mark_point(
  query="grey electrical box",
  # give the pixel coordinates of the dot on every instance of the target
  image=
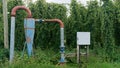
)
(83, 38)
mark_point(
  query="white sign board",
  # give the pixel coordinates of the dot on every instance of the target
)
(83, 38)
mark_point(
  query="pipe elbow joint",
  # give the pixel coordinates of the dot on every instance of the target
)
(13, 13)
(55, 20)
(60, 22)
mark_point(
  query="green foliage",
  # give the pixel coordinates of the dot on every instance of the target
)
(1, 25)
(117, 22)
(4, 54)
(19, 27)
(94, 23)
(47, 34)
(75, 23)
(104, 65)
(108, 29)
(41, 59)
(102, 21)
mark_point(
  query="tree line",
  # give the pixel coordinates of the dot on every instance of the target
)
(102, 19)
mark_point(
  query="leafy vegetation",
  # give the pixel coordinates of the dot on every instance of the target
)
(45, 59)
(102, 19)
(1, 25)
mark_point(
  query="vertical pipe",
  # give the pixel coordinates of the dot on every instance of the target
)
(62, 37)
(62, 47)
(12, 35)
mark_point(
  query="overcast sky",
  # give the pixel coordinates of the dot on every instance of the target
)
(84, 2)
(66, 1)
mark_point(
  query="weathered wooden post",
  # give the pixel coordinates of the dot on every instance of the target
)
(5, 17)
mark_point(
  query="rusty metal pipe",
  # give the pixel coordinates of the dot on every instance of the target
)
(13, 13)
(12, 33)
(55, 20)
(62, 47)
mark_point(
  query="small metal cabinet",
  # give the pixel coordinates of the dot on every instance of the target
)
(83, 39)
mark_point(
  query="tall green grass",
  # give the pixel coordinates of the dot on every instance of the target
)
(50, 59)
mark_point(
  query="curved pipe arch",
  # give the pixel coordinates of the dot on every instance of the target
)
(13, 13)
(12, 31)
(62, 47)
(55, 20)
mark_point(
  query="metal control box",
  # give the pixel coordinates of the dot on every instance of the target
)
(83, 38)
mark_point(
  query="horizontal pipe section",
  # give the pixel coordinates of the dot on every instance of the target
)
(55, 20)
(13, 13)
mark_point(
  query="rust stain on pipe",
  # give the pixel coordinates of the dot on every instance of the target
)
(55, 20)
(28, 39)
(13, 13)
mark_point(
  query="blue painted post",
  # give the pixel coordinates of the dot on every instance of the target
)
(29, 25)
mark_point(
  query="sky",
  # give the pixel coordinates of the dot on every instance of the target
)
(66, 1)
(84, 2)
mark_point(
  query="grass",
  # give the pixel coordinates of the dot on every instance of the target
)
(50, 59)
(104, 65)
